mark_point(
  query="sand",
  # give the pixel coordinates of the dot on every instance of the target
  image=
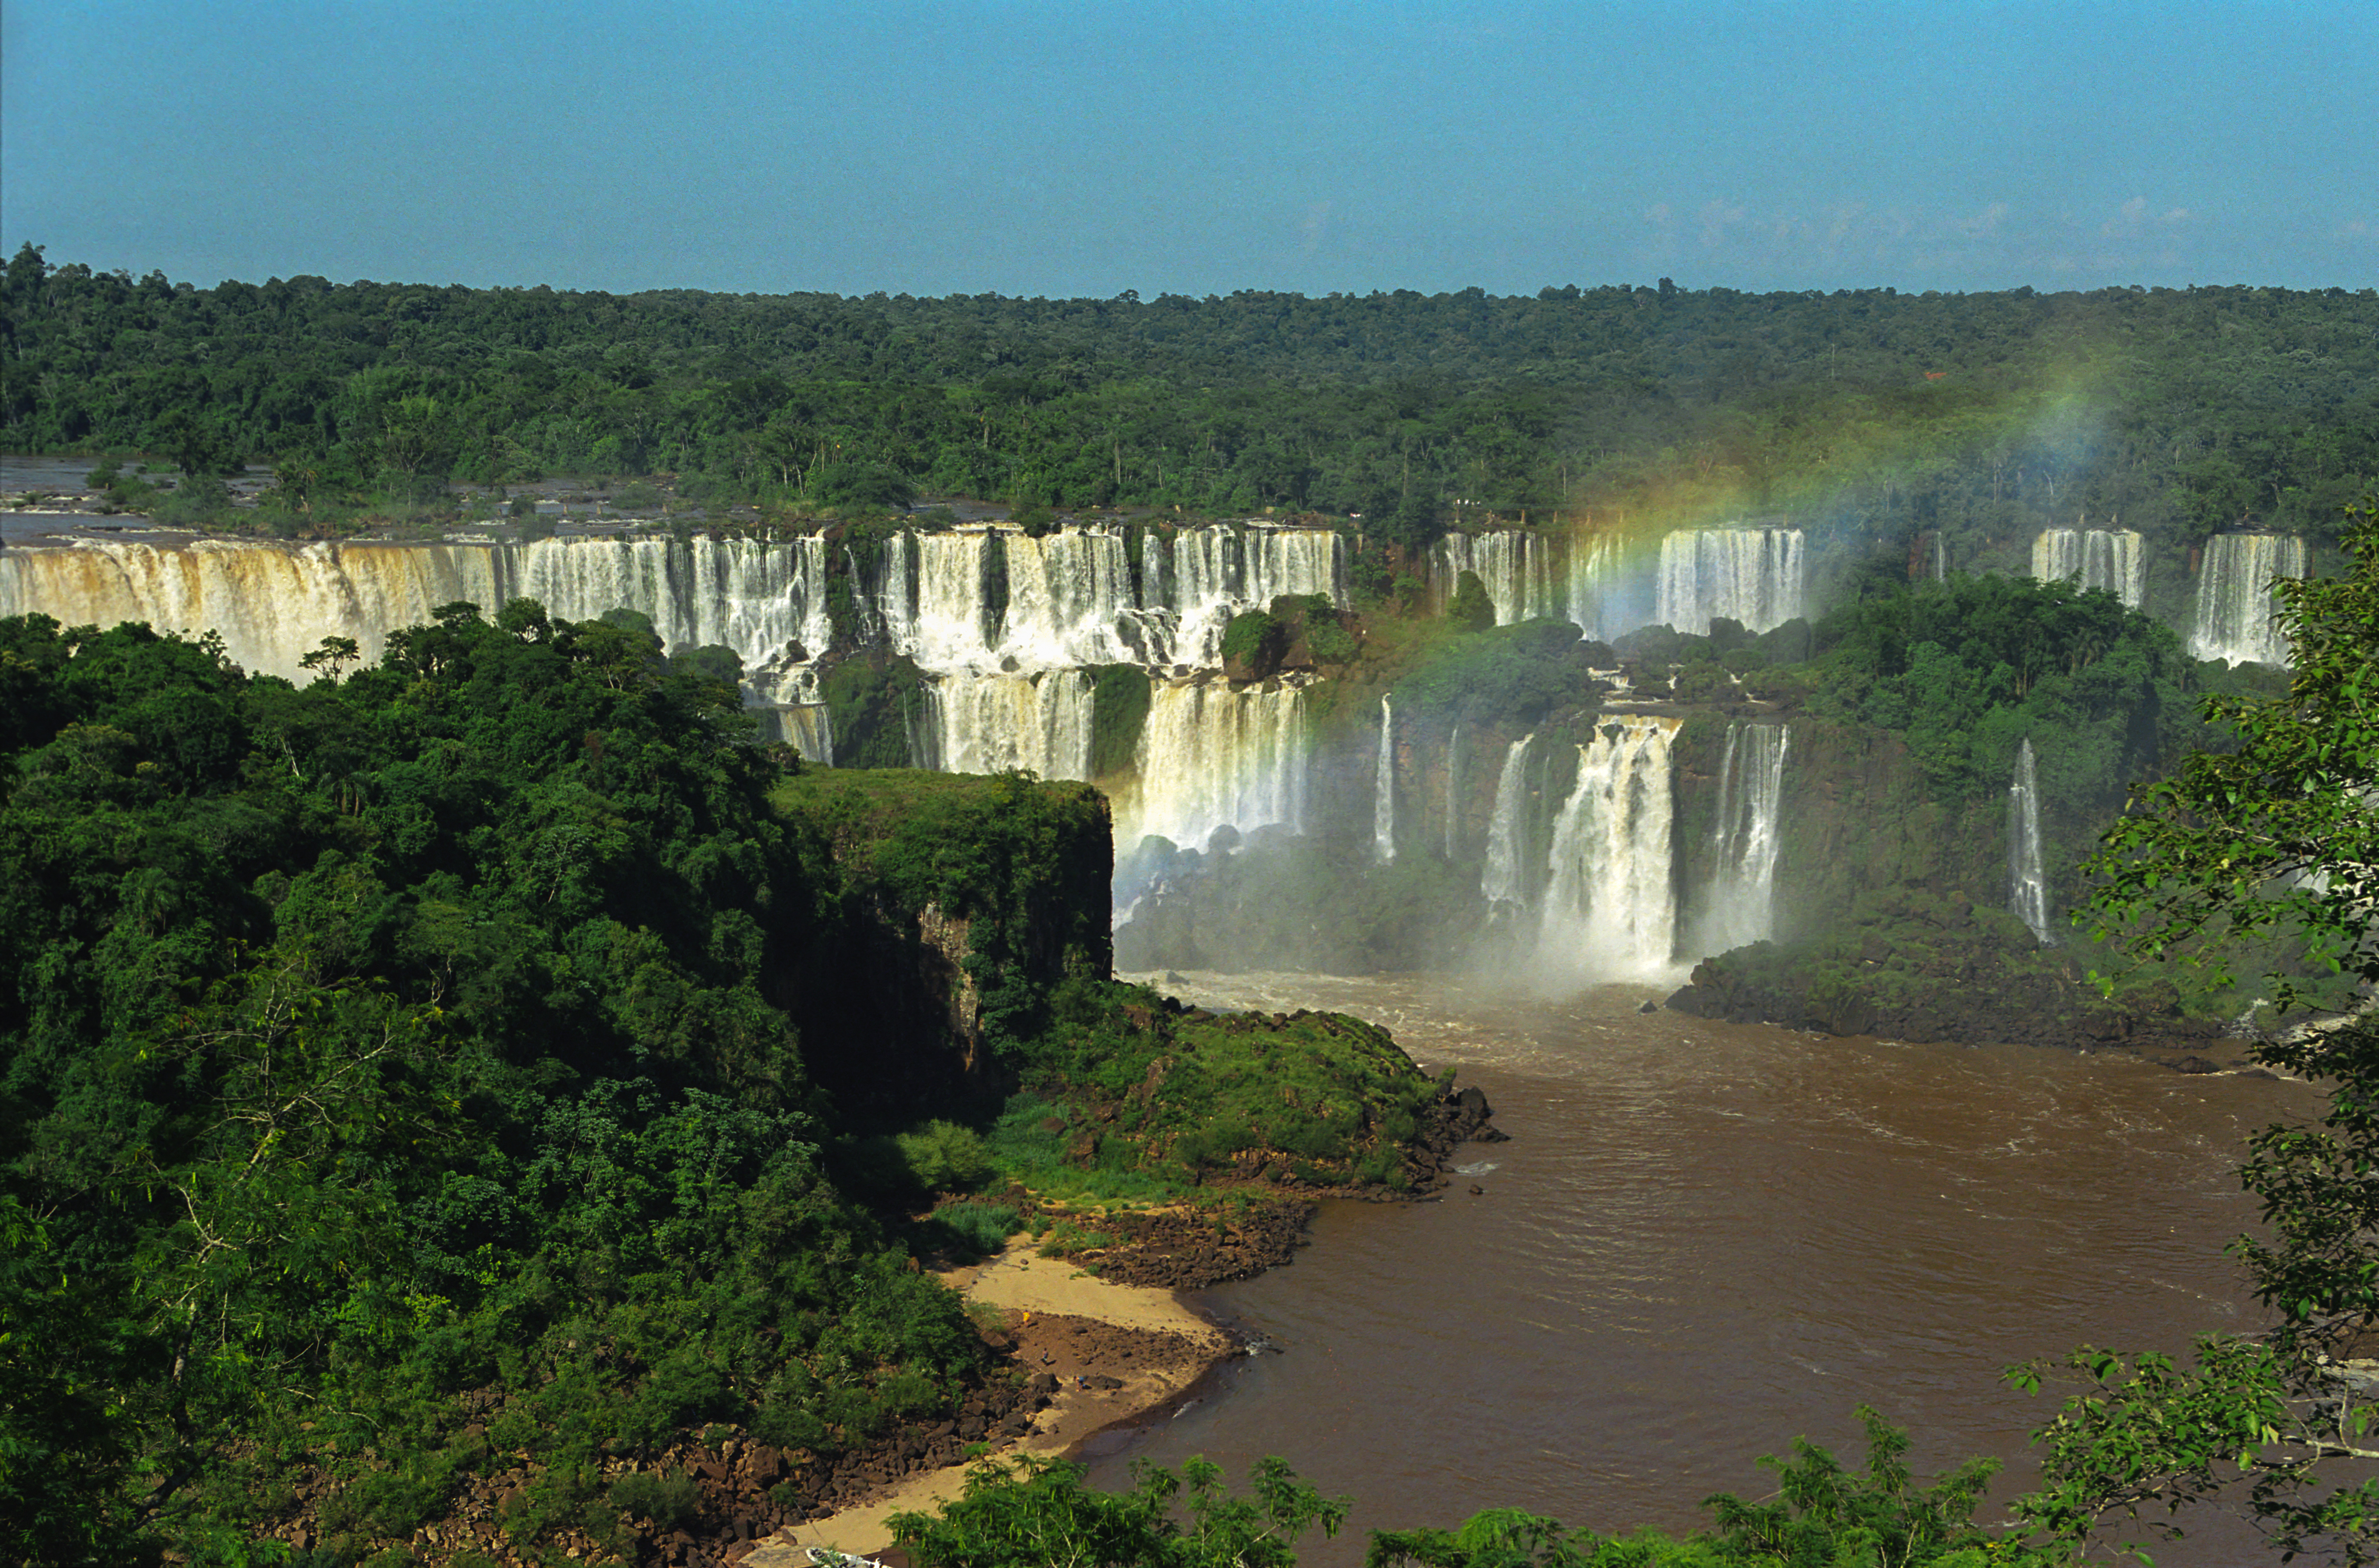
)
(1065, 1323)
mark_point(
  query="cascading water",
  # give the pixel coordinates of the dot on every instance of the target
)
(1453, 793)
(273, 606)
(2027, 888)
(1751, 575)
(1218, 571)
(2112, 559)
(1383, 788)
(1739, 905)
(1212, 754)
(1499, 883)
(1006, 690)
(989, 723)
(1518, 569)
(1611, 903)
(2234, 596)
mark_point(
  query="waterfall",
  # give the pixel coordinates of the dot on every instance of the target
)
(1515, 567)
(989, 723)
(1209, 755)
(2027, 888)
(1602, 600)
(1218, 571)
(1752, 575)
(1383, 788)
(2112, 559)
(1610, 905)
(1454, 792)
(808, 727)
(2234, 596)
(1499, 882)
(1740, 907)
(273, 605)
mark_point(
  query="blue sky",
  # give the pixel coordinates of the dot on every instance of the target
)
(1030, 149)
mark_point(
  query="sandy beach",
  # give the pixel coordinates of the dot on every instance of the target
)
(1070, 1324)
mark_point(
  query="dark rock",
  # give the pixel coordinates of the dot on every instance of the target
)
(1476, 1191)
(1649, 1008)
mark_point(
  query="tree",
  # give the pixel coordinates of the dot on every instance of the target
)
(2278, 837)
(1036, 1512)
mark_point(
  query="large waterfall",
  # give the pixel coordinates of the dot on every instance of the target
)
(2027, 887)
(1501, 883)
(2234, 596)
(1739, 904)
(273, 605)
(1384, 786)
(1751, 575)
(2112, 559)
(1610, 905)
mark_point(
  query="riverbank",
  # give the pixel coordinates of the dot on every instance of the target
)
(1104, 1354)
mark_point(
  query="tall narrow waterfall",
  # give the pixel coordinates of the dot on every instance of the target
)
(1384, 786)
(1740, 903)
(1453, 793)
(1599, 600)
(2234, 596)
(1610, 905)
(2112, 559)
(2027, 888)
(1501, 884)
(1752, 575)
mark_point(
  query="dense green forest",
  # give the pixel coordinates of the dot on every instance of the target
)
(494, 1053)
(2181, 411)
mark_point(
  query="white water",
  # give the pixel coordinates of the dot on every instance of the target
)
(1740, 904)
(1499, 882)
(2027, 888)
(1383, 788)
(2234, 596)
(1216, 572)
(1519, 570)
(1209, 755)
(1611, 903)
(1600, 601)
(989, 723)
(1751, 575)
(1454, 792)
(273, 605)
(2112, 559)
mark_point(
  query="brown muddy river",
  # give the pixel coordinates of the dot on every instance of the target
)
(1706, 1240)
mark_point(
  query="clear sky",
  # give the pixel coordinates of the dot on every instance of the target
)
(1084, 150)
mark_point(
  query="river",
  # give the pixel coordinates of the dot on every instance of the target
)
(1704, 1241)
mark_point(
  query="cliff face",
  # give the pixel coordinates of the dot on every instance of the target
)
(957, 904)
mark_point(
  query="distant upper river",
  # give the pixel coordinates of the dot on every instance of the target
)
(1704, 1241)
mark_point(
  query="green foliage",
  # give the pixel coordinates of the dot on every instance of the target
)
(1120, 695)
(2272, 834)
(1967, 667)
(1514, 677)
(1471, 609)
(875, 706)
(1192, 1096)
(1382, 404)
(405, 1035)
(1035, 1512)
(1252, 644)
